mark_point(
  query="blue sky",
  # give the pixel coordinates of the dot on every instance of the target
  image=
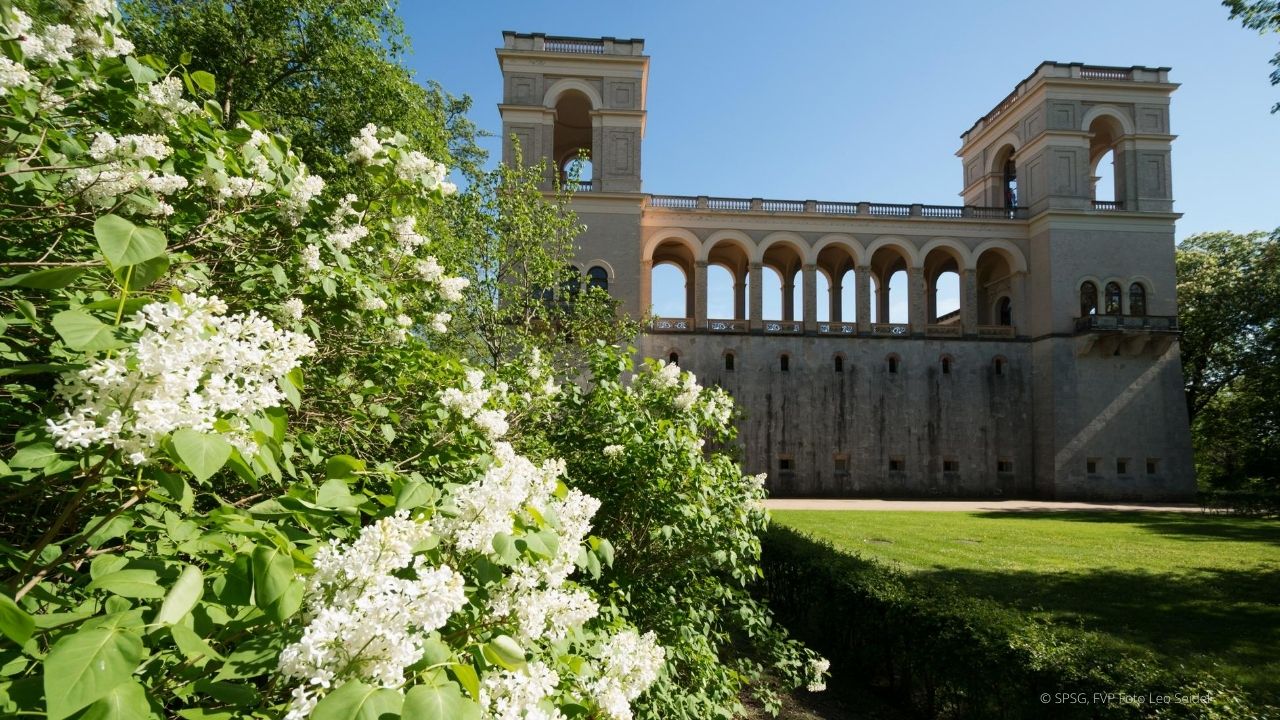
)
(858, 101)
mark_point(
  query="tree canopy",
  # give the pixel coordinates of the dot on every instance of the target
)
(1263, 16)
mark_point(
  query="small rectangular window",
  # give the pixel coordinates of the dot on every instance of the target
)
(841, 463)
(951, 466)
(1153, 465)
(1122, 466)
(784, 463)
(897, 465)
(1091, 466)
(1004, 465)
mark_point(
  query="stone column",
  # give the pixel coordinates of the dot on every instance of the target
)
(789, 296)
(862, 276)
(646, 289)
(810, 298)
(915, 300)
(700, 296)
(837, 299)
(757, 296)
(739, 297)
(969, 301)
(1020, 315)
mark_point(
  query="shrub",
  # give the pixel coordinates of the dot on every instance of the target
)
(948, 655)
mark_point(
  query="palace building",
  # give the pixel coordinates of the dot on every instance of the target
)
(1057, 377)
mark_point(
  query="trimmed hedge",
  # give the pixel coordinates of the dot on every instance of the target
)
(948, 655)
(1253, 503)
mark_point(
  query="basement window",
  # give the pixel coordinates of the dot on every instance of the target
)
(1004, 466)
(841, 462)
(785, 463)
(1153, 465)
(1122, 466)
(1091, 466)
(897, 464)
(951, 466)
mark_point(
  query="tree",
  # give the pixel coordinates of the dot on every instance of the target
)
(1263, 16)
(318, 71)
(1229, 312)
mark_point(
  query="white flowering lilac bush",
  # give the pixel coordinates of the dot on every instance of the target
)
(189, 530)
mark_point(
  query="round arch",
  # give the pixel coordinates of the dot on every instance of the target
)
(601, 263)
(784, 238)
(908, 250)
(679, 235)
(963, 256)
(1008, 142)
(841, 240)
(735, 237)
(1111, 111)
(563, 85)
(1017, 262)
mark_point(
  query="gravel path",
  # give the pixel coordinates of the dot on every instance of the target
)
(971, 505)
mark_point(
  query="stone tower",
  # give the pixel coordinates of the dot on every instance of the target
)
(1056, 373)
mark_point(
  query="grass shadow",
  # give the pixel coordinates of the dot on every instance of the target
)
(1188, 526)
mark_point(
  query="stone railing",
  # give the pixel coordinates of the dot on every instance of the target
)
(1107, 205)
(726, 326)
(891, 329)
(783, 327)
(662, 324)
(996, 331)
(837, 328)
(952, 330)
(1127, 323)
(823, 207)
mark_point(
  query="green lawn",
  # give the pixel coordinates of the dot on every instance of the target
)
(1199, 590)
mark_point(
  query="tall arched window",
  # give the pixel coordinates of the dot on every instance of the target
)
(728, 361)
(946, 364)
(674, 358)
(1088, 299)
(598, 277)
(839, 361)
(1010, 183)
(785, 363)
(1112, 304)
(892, 362)
(1137, 299)
(1005, 313)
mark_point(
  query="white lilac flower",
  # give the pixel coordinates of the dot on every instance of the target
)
(50, 46)
(370, 606)
(373, 303)
(492, 422)
(415, 167)
(451, 288)
(689, 391)
(404, 230)
(630, 663)
(404, 320)
(440, 322)
(97, 45)
(517, 694)
(487, 506)
(165, 184)
(344, 238)
(366, 147)
(818, 668)
(95, 8)
(311, 258)
(304, 188)
(165, 101)
(294, 308)
(429, 269)
(613, 451)
(129, 147)
(192, 367)
(12, 75)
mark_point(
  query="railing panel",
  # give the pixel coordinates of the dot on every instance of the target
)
(672, 324)
(890, 210)
(716, 203)
(837, 208)
(837, 328)
(783, 205)
(943, 330)
(727, 326)
(1106, 205)
(1097, 72)
(941, 211)
(783, 327)
(891, 329)
(1127, 323)
(584, 47)
(997, 331)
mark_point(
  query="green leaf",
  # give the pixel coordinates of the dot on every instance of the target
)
(82, 331)
(341, 467)
(183, 596)
(439, 702)
(504, 650)
(357, 701)
(191, 645)
(87, 665)
(274, 588)
(414, 493)
(204, 81)
(139, 276)
(467, 677)
(135, 583)
(203, 453)
(15, 623)
(252, 119)
(50, 279)
(123, 243)
(34, 456)
(126, 701)
(334, 494)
